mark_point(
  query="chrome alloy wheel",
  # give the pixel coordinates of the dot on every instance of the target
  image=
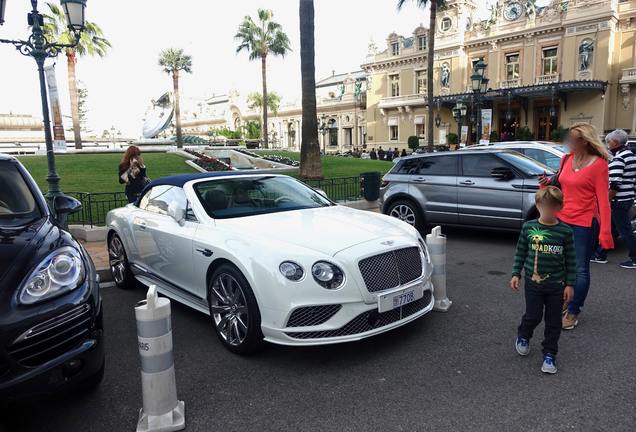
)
(229, 309)
(117, 260)
(403, 213)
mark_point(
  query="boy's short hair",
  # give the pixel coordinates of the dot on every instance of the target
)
(550, 195)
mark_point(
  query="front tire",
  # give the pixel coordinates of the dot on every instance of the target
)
(118, 263)
(407, 212)
(234, 311)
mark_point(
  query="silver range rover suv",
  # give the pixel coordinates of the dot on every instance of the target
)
(491, 189)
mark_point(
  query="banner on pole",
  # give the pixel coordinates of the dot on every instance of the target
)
(59, 141)
(463, 137)
(486, 125)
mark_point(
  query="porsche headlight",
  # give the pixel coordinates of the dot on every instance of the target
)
(61, 271)
(292, 271)
(327, 275)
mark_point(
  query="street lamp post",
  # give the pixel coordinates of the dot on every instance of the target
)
(459, 112)
(323, 129)
(38, 47)
(479, 84)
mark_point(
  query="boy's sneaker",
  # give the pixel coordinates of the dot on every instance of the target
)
(631, 264)
(569, 321)
(523, 346)
(599, 259)
(549, 364)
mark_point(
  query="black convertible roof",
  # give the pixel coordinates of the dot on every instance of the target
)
(181, 179)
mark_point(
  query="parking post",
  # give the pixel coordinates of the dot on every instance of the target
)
(436, 242)
(162, 411)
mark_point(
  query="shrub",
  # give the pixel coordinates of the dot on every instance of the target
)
(494, 136)
(559, 134)
(413, 142)
(452, 138)
(524, 134)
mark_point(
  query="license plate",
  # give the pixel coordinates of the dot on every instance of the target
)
(398, 299)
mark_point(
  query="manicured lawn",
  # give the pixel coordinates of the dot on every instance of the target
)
(98, 172)
(335, 166)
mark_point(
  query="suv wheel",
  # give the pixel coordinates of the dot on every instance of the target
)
(407, 212)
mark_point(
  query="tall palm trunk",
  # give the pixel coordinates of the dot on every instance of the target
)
(72, 90)
(429, 73)
(310, 163)
(264, 77)
(177, 108)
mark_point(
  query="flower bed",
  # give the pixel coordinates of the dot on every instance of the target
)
(209, 163)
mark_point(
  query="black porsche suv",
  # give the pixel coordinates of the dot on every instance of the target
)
(50, 305)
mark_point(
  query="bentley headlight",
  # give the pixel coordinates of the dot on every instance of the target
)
(327, 275)
(426, 257)
(61, 271)
(291, 270)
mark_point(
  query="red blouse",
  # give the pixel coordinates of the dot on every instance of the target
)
(586, 196)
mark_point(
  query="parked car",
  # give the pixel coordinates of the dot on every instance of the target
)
(632, 145)
(269, 258)
(545, 152)
(50, 304)
(486, 188)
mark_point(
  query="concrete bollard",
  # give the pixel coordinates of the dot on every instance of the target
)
(436, 242)
(162, 411)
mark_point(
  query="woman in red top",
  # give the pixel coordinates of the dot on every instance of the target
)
(584, 180)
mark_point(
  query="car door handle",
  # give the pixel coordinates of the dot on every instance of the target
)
(467, 182)
(419, 179)
(205, 252)
(141, 225)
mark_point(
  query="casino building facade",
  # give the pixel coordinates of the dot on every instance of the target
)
(548, 67)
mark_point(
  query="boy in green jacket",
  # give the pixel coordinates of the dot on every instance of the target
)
(545, 254)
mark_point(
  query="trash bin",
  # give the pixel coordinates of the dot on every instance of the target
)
(370, 185)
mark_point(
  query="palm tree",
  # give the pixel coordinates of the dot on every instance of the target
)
(537, 235)
(310, 162)
(260, 40)
(174, 60)
(92, 43)
(255, 101)
(435, 4)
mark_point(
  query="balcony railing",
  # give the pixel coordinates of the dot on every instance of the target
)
(509, 83)
(401, 101)
(548, 79)
(629, 76)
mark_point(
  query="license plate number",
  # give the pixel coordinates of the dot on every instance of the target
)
(403, 298)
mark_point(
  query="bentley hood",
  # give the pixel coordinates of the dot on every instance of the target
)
(327, 229)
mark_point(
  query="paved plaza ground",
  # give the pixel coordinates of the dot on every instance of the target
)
(445, 372)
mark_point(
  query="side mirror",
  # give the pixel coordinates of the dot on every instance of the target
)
(176, 212)
(502, 173)
(65, 205)
(322, 192)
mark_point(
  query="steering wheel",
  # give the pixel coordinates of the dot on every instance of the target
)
(282, 199)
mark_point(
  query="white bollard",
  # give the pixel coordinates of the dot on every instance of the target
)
(162, 411)
(436, 242)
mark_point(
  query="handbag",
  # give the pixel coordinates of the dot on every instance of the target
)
(554, 181)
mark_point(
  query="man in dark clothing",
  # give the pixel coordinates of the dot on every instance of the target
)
(380, 153)
(373, 154)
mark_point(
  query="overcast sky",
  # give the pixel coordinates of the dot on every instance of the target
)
(121, 85)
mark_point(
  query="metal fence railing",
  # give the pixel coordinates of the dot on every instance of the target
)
(95, 206)
(339, 188)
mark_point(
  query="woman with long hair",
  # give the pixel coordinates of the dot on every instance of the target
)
(132, 173)
(583, 178)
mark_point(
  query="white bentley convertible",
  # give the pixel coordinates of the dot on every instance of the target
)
(268, 257)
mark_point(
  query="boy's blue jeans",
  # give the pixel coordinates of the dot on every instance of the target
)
(584, 245)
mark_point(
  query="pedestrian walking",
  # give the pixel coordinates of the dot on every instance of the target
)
(584, 180)
(622, 181)
(132, 173)
(380, 153)
(545, 256)
(373, 154)
(389, 154)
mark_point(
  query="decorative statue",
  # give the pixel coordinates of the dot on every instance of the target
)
(585, 54)
(531, 8)
(358, 87)
(445, 77)
(341, 90)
